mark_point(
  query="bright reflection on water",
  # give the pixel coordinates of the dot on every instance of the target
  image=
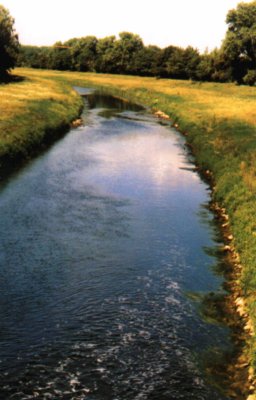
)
(102, 238)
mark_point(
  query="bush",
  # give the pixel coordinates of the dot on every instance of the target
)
(250, 78)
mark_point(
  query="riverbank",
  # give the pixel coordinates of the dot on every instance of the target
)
(33, 113)
(219, 123)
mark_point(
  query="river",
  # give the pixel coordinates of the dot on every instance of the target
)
(106, 246)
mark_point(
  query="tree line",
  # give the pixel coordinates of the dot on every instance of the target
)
(127, 54)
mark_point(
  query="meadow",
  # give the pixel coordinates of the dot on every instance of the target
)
(219, 122)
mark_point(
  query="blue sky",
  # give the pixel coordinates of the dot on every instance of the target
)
(199, 23)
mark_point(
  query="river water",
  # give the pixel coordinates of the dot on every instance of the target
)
(103, 257)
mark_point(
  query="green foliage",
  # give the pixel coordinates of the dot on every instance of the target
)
(125, 55)
(59, 57)
(105, 55)
(175, 67)
(250, 78)
(240, 43)
(125, 52)
(36, 57)
(9, 44)
(205, 68)
(83, 53)
(191, 60)
(146, 62)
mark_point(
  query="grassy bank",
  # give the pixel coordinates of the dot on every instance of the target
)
(219, 123)
(33, 112)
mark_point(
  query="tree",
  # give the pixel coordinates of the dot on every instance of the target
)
(176, 66)
(35, 57)
(60, 57)
(105, 55)
(167, 54)
(222, 70)
(191, 60)
(125, 52)
(146, 62)
(83, 52)
(250, 78)
(239, 46)
(9, 43)
(205, 68)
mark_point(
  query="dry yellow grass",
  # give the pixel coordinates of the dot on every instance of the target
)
(221, 100)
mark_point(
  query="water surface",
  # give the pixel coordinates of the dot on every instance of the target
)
(102, 239)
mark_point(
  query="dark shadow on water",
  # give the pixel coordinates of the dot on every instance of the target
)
(226, 369)
(109, 102)
(10, 164)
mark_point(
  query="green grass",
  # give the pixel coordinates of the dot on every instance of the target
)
(219, 121)
(33, 113)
